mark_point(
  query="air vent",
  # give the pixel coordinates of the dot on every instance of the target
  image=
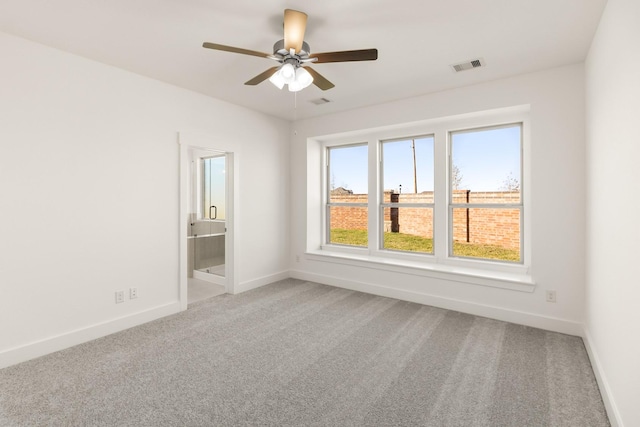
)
(463, 66)
(320, 101)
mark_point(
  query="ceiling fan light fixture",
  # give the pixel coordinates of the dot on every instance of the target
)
(277, 80)
(303, 80)
(287, 72)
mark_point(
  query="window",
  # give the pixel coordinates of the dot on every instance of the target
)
(407, 195)
(452, 195)
(485, 205)
(213, 187)
(347, 198)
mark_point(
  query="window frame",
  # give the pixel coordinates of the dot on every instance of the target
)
(382, 205)
(509, 275)
(327, 194)
(451, 206)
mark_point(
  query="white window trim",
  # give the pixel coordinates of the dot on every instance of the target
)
(515, 276)
(461, 274)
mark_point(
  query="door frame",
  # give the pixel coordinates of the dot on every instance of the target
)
(187, 142)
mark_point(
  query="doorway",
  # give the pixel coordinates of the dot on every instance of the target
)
(207, 226)
(206, 223)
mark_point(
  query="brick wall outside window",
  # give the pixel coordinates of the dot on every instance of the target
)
(488, 226)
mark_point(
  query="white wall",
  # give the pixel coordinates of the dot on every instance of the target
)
(89, 195)
(556, 99)
(613, 221)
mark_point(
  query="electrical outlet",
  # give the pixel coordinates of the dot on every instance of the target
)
(551, 296)
(119, 297)
(297, 258)
(133, 293)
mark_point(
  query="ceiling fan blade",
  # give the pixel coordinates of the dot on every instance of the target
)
(346, 56)
(235, 50)
(262, 76)
(319, 80)
(295, 24)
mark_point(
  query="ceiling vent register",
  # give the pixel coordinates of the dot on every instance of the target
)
(469, 65)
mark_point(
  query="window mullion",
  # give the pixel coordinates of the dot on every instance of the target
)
(374, 196)
(440, 211)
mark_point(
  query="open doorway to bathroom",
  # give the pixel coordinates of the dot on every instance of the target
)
(207, 245)
(206, 216)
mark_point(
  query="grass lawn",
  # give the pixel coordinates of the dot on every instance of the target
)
(411, 243)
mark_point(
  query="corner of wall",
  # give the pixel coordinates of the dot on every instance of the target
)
(603, 384)
(260, 281)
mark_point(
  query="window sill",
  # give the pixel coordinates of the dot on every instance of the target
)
(476, 276)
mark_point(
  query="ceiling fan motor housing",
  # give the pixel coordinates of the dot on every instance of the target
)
(278, 49)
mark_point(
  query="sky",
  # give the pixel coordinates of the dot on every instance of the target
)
(485, 158)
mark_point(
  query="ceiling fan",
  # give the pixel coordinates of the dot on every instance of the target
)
(294, 55)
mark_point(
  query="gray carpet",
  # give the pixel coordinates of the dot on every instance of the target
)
(295, 353)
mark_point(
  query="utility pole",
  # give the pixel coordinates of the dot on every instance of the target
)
(415, 176)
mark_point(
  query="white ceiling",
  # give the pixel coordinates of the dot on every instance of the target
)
(417, 40)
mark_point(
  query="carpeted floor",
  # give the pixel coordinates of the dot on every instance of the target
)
(295, 353)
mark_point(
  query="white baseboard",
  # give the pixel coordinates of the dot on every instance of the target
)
(32, 350)
(49, 345)
(36, 349)
(261, 281)
(603, 384)
(519, 317)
